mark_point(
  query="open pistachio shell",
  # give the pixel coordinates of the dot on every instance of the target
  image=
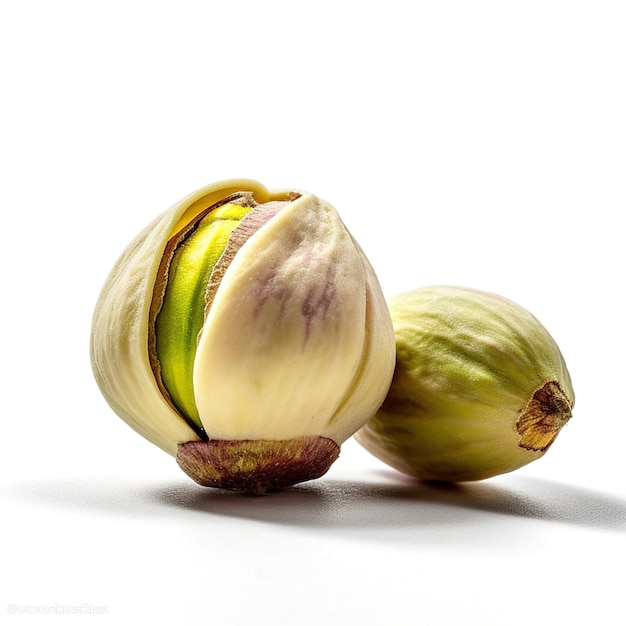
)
(244, 315)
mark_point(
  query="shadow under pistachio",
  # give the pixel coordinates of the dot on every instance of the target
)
(402, 501)
(381, 500)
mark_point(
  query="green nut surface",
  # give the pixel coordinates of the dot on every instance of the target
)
(480, 387)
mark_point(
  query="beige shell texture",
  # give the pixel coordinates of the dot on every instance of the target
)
(340, 387)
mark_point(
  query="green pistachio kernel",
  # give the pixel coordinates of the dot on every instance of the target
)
(480, 387)
(181, 317)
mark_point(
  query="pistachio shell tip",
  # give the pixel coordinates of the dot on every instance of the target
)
(256, 467)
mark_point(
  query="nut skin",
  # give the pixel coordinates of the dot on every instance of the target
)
(480, 387)
(256, 467)
(297, 342)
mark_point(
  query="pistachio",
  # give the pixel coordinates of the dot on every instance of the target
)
(480, 387)
(244, 332)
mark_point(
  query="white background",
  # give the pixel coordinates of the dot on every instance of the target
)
(474, 143)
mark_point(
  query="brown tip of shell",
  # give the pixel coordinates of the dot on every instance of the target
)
(256, 467)
(541, 420)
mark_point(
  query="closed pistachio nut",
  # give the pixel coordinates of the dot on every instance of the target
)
(480, 387)
(244, 332)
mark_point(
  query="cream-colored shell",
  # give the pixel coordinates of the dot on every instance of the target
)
(343, 379)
